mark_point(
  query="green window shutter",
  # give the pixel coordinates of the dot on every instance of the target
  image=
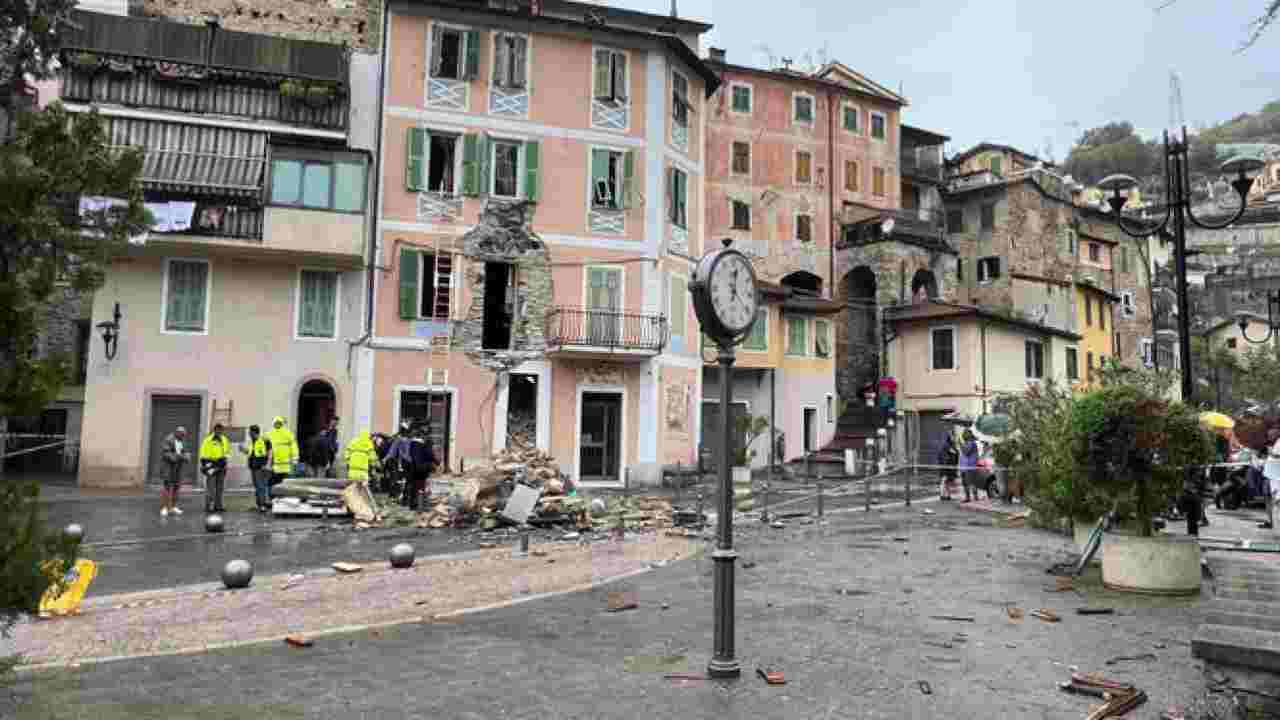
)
(628, 178)
(416, 151)
(671, 194)
(531, 160)
(501, 59)
(473, 55)
(196, 295)
(326, 303)
(484, 161)
(995, 164)
(602, 88)
(470, 164)
(599, 172)
(620, 76)
(307, 304)
(408, 284)
(186, 299)
(177, 301)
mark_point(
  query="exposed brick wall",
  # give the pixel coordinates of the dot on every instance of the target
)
(346, 22)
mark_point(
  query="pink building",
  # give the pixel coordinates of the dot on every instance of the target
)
(573, 327)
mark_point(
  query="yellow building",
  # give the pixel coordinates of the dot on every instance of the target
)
(1095, 323)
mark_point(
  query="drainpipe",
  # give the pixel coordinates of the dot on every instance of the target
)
(371, 261)
(983, 326)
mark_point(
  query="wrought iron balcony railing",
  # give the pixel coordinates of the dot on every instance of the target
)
(591, 330)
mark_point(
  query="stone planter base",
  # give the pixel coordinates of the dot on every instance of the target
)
(1160, 565)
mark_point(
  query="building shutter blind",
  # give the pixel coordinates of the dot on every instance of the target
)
(415, 160)
(600, 177)
(307, 304)
(437, 45)
(620, 77)
(519, 64)
(484, 159)
(531, 160)
(473, 55)
(326, 290)
(628, 179)
(470, 164)
(501, 59)
(602, 77)
(408, 284)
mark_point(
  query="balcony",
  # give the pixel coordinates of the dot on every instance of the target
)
(326, 238)
(604, 334)
(922, 163)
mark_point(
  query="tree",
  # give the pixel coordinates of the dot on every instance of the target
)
(56, 158)
(1260, 380)
(1259, 25)
(28, 556)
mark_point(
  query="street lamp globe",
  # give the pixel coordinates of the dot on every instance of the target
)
(1245, 167)
(1118, 185)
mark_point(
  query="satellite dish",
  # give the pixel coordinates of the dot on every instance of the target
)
(886, 227)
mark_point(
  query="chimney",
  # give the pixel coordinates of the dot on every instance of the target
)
(716, 54)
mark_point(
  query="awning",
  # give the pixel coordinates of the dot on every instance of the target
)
(194, 159)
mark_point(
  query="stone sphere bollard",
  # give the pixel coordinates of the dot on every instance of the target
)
(237, 574)
(74, 531)
(598, 506)
(213, 523)
(402, 556)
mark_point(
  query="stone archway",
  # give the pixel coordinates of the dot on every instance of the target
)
(803, 281)
(858, 333)
(926, 281)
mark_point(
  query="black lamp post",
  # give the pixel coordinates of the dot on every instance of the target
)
(1177, 180)
(111, 334)
(1273, 301)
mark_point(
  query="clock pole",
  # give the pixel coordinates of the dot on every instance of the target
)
(723, 664)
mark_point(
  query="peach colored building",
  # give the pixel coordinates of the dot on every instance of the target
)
(240, 303)
(588, 120)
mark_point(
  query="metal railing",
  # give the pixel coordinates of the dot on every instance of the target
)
(605, 329)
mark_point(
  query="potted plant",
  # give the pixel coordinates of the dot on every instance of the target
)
(1132, 444)
(750, 429)
(293, 90)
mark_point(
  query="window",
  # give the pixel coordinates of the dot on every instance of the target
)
(942, 349)
(877, 181)
(1073, 364)
(758, 339)
(1088, 310)
(425, 280)
(610, 76)
(455, 54)
(988, 216)
(741, 102)
(996, 164)
(1088, 367)
(802, 111)
(804, 228)
(1124, 259)
(509, 53)
(677, 197)
(611, 179)
(187, 296)
(318, 184)
(1095, 253)
(499, 306)
(851, 119)
(680, 99)
(1071, 243)
(1147, 348)
(804, 167)
(822, 338)
(679, 306)
(851, 175)
(879, 124)
(741, 158)
(442, 162)
(1034, 360)
(797, 336)
(317, 304)
(506, 169)
(1231, 343)
(741, 215)
(1127, 308)
(955, 221)
(988, 269)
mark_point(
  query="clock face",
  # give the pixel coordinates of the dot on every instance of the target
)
(733, 292)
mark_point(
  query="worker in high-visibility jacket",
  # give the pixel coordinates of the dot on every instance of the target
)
(284, 451)
(214, 452)
(361, 457)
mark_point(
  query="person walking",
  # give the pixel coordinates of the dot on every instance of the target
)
(969, 465)
(948, 458)
(259, 452)
(213, 465)
(422, 461)
(1192, 503)
(175, 455)
(284, 451)
(331, 448)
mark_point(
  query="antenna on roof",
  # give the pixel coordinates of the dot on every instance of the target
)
(786, 63)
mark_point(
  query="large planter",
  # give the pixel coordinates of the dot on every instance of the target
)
(1160, 565)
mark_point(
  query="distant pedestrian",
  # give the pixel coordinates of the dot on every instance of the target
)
(174, 452)
(969, 465)
(259, 452)
(214, 452)
(1192, 503)
(422, 462)
(948, 458)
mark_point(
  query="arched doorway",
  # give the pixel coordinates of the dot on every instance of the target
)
(926, 281)
(804, 282)
(858, 339)
(317, 406)
(860, 293)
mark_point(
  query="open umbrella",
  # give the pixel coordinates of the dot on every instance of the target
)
(1216, 421)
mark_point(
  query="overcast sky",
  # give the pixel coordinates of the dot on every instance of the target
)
(1024, 73)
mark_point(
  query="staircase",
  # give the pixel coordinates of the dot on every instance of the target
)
(856, 424)
(1241, 626)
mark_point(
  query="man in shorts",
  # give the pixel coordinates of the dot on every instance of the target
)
(175, 455)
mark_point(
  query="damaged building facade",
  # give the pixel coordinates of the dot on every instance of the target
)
(539, 215)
